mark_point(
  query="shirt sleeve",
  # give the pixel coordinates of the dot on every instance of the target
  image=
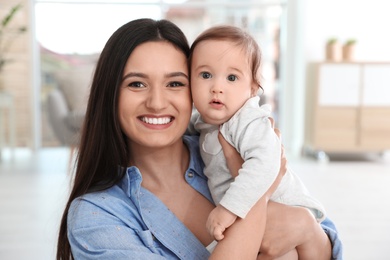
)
(251, 133)
(94, 233)
(337, 247)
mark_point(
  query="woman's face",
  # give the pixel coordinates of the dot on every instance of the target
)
(155, 101)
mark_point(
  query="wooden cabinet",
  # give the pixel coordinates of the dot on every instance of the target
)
(348, 107)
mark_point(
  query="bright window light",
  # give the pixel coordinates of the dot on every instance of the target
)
(84, 28)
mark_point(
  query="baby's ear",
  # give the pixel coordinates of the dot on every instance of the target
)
(255, 89)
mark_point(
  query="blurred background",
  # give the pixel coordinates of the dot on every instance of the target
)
(325, 71)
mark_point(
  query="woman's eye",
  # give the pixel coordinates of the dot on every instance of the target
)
(205, 75)
(176, 84)
(136, 84)
(232, 77)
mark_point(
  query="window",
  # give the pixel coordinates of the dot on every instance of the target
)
(71, 35)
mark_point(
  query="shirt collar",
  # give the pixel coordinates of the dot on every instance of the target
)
(196, 166)
(196, 163)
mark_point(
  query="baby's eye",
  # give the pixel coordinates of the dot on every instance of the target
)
(205, 75)
(136, 84)
(232, 78)
(176, 84)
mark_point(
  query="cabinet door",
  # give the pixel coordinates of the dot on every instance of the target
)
(335, 129)
(375, 111)
(375, 128)
(339, 85)
(376, 82)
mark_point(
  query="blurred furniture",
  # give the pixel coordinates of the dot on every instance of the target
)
(66, 124)
(7, 105)
(348, 108)
(66, 104)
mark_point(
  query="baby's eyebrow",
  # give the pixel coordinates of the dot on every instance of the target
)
(236, 69)
(200, 67)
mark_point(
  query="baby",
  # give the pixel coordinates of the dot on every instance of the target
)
(225, 64)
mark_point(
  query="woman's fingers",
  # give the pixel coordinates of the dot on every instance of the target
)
(233, 158)
(272, 121)
(277, 131)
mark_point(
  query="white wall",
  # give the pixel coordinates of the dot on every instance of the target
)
(364, 20)
(310, 23)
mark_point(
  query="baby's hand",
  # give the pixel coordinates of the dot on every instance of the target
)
(218, 221)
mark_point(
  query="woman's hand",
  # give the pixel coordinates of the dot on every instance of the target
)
(283, 163)
(233, 158)
(291, 227)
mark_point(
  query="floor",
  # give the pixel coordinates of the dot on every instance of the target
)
(355, 191)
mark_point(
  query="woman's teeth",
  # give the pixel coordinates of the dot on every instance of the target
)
(156, 121)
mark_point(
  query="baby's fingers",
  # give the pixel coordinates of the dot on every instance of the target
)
(218, 233)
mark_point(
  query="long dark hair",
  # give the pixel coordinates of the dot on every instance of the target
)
(103, 146)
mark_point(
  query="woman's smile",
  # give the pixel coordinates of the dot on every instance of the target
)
(156, 120)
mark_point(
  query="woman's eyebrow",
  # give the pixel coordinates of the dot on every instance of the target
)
(176, 74)
(145, 76)
(135, 74)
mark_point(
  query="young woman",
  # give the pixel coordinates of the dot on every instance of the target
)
(139, 190)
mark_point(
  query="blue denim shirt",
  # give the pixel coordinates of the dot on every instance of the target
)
(127, 221)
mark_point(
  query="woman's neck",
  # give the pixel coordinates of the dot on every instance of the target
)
(161, 167)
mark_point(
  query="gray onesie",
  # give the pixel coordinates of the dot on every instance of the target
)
(251, 133)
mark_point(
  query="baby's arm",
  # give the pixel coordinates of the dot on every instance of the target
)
(260, 148)
(242, 240)
(234, 160)
(220, 218)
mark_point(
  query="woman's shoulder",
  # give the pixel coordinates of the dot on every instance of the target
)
(108, 224)
(96, 208)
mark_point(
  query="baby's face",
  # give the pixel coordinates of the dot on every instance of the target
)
(221, 80)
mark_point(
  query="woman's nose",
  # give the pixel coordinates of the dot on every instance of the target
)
(156, 99)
